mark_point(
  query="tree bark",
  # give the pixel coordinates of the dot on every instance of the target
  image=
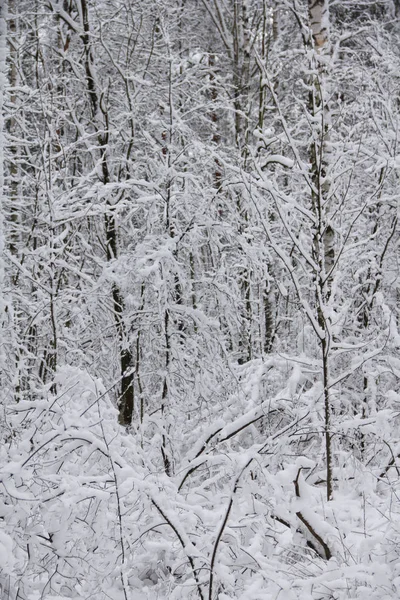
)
(323, 238)
(126, 396)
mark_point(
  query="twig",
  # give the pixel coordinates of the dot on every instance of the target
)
(221, 530)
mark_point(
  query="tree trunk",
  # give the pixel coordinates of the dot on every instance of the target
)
(126, 396)
(323, 239)
(3, 81)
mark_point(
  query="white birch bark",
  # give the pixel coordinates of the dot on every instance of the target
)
(319, 22)
(323, 242)
(3, 85)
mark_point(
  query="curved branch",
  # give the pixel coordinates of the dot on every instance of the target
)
(221, 530)
(184, 546)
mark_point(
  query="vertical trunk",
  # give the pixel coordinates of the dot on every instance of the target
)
(216, 137)
(266, 296)
(3, 80)
(323, 239)
(241, 71)
(13, 169)
(275, 20)
(241, 74)
(319, 22)
(126, 397)
(269, 319)
(13, 218)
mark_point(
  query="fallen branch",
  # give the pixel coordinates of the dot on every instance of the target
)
(327, 554)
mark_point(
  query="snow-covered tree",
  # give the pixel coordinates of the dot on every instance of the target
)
(200, 300)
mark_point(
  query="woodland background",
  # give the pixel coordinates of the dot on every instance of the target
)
(200, 300)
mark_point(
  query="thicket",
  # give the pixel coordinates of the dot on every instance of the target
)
(199, 345)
